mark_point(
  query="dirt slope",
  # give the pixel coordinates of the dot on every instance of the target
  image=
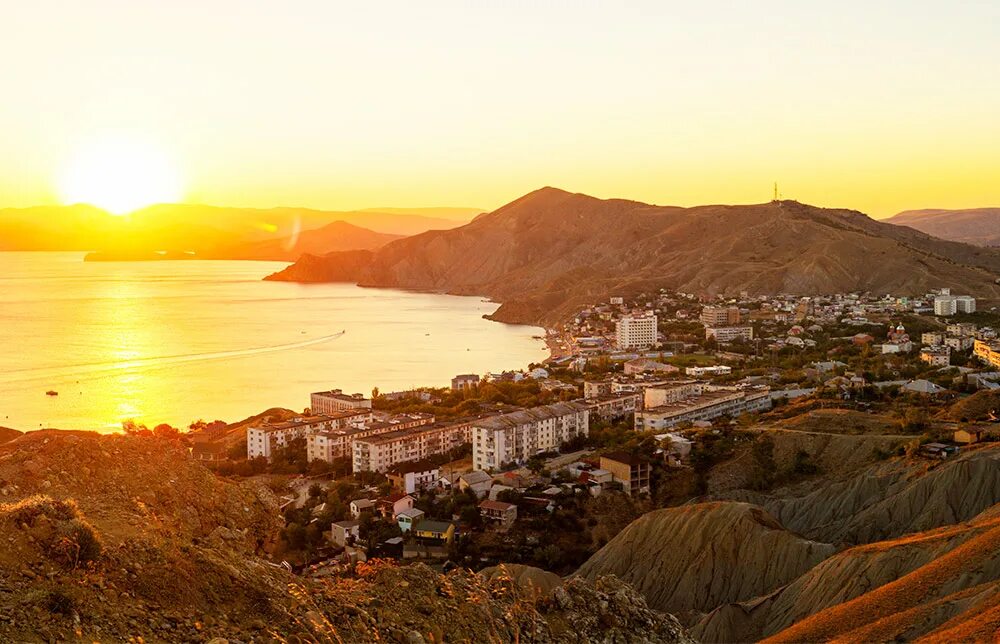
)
(952, 593)
(841, 578)
(693, 558)
(551, 251)
(887, 500)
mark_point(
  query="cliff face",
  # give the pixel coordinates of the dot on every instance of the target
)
(693, 558)
(552, 251)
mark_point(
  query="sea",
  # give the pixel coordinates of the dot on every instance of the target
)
(88, 345)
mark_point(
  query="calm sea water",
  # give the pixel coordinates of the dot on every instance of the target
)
(177, 341)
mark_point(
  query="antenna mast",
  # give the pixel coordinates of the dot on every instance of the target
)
(775, 190)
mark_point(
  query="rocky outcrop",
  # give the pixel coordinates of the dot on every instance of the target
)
(693, 558)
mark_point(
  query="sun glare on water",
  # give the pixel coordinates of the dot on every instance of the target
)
(120, 175)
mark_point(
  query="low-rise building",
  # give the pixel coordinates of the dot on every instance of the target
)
(343, 533)
(439, 531)
(988, 352)
(327, 402)
(393, 504)
(517, 436)
(478, 481)
(413, 476)
(360, 506)
(715, 370)
(406, 519)
(959, 343)
(724, 334)
(932, 339)
(338, 442)
(936, 356)
(711, 403)
(647, 365)
(631, 471)
(464, 381)
(499, 512)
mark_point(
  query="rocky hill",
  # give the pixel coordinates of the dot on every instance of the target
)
(127, 538)
(551, 251)
(8, 434)
(693, 558)
(978, 226)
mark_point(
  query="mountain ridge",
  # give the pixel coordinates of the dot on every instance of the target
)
(978, 226)
(551, 252)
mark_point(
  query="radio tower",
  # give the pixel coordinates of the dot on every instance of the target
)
(775, 191)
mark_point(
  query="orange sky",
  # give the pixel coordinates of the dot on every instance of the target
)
(875, 106)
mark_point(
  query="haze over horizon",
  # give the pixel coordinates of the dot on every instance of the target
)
(456, 105)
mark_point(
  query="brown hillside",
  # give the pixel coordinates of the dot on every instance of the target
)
(8, 434)
(977, 226)
(693, 558)
(552, 251)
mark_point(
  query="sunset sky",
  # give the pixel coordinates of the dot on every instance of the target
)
(875, 106)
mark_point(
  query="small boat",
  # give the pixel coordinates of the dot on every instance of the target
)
(51, 392)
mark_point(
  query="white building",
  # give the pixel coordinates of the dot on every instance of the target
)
(518, 436)
(264, 439)
(338, 442)
(379, 453)
(325, 402)
(708, 404)
(725, 334)
(635, 332)
(945, 305)
(717, 370)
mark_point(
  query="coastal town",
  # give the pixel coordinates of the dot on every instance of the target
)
(625, 416)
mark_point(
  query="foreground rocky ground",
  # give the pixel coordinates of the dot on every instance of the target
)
(125, 538)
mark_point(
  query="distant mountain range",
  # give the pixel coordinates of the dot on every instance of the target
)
(551, 252)
(215, 231)
(978, 226)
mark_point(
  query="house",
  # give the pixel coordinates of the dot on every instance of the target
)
(441, 531)
(412, 476)
(939, 450)
(497, 489)
(393, 504)
(344, 532)
(464, 381)
(499, 512)
(204, 451)
(969, 436)
(478, 481)
(408, 518)
(631, 471)
(361, 505)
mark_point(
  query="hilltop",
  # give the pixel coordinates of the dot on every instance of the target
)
(977, 226)
(552, 252)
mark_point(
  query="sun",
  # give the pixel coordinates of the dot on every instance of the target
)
(120, 175)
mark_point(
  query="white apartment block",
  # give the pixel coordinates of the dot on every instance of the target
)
(327, 445)
(325, 402)
(264, 439)
(713, 403)
(380, 453)
(635, 332)
(723, 334)
(945, 305)
(518, 436)
(716, 316)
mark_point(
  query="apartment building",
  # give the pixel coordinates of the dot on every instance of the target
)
(959, 344)
(615, 406)
(464, 381)
(932, 339)
(723, 334)
(936, 356)
(716, 316)
(635, 332)
(672, 392)
(382, 452)
(265, 438)
(711, 403)
(326, 402)
(945, 305)
(330, 444)
(518, 436)
(631, 471)
(987, 352)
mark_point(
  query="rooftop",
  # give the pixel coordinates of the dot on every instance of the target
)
(532, 415)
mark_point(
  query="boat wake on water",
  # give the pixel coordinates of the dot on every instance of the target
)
(99, 369)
